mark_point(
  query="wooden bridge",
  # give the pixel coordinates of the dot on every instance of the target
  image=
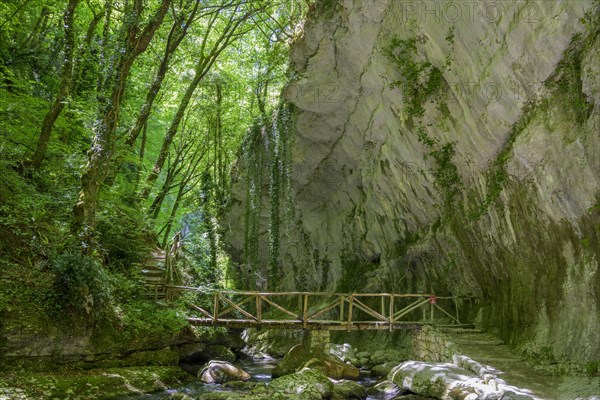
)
(319, 311)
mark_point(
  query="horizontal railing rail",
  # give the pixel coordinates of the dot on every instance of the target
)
(320, 310)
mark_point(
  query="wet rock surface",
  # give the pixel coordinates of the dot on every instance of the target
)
(222, 371)
(345, 389)
(312, 383)
(464, 379)
(298, 357)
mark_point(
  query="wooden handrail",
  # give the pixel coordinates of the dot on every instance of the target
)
(319, 294)
(248, 308)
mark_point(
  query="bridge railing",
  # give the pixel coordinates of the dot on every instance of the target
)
(315, 310)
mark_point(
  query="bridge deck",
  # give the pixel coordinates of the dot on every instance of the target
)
(330, 326)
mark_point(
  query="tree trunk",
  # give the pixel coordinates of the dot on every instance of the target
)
(178, 31)
(84, 57)
(171, 132)
(103, 145)
(154, 209)
(140, 164)
(227, 36)
(169, 225)
(65, 87)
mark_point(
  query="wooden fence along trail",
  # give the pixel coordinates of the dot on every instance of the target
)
(324, 311)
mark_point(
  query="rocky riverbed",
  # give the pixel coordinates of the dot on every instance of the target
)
(343, 372)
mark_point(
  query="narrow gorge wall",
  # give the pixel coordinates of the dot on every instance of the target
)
(432, 146)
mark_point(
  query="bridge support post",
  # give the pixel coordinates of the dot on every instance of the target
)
(316, 341)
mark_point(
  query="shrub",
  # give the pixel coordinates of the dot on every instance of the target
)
(143, 317)
(82, 287)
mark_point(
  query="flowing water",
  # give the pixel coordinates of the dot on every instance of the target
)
(260, 370)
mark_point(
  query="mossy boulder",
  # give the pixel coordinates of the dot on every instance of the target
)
(427, 379)
(213, 352)
(383, 369)
(363, 359)
(310, 383)
(446, 380)
(240, 385)
(345, 389)
(333, 368)
(251, 396)
(112, 383)
(299, 357)
(385, 356)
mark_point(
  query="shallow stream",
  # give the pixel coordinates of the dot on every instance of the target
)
(260, 370)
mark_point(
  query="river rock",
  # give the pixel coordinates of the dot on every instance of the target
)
(387, 388)
(213, 352)
(240, 385)
(364, 359)
(298, 358)
(310, 383)
(344, 352)
(333, 368)
(188, 350)
(345, 389)
(383, 369)
(222, 371)
(447, 380)
(384, 356)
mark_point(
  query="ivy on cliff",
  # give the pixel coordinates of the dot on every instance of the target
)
(421, 81)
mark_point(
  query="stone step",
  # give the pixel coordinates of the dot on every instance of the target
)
(154, 279)
(153, 272)
(153, 266)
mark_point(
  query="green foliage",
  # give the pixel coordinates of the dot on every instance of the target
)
(354, 272)
(48, 271)
(447, 178)
(450, 35)
(567, 79)
(592, 368)
(124, 232)
(143, 317)
(253, 155)
(23, 290)
(419, 79)
(82, 287)
(204, 262)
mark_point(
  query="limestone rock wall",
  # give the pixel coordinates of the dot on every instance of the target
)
(448, 148)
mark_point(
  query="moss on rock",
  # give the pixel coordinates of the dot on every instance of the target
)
(93, 384)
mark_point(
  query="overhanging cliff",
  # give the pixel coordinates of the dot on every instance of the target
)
(429, 147)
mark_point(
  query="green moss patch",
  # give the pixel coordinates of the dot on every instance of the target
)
(93, 384)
